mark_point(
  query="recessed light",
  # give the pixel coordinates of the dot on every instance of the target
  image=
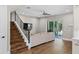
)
(28, 7)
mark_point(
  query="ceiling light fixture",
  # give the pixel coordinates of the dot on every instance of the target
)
(28, 7)
(44, 13)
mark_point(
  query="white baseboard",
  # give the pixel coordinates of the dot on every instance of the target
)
(67, 39)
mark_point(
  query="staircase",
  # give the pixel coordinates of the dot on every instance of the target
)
(17, 43)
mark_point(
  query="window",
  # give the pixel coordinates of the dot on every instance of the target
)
(50, 26)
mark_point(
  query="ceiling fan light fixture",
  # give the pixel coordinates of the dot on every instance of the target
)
(44, 13)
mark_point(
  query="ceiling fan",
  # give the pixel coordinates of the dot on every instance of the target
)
(45, 13)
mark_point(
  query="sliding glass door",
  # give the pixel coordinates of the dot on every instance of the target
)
(55, 27)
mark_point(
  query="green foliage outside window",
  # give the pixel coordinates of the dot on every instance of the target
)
(50, 26)
(54, 26)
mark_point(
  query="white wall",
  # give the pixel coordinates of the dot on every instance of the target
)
(4, 47)
(43, 25)
(75, 48)
(76, 21)
(68, 26)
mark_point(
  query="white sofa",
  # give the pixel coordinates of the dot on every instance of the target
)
(40, 38)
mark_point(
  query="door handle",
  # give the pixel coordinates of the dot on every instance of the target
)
(3, 36)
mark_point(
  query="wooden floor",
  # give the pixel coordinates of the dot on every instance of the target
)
(53, 47)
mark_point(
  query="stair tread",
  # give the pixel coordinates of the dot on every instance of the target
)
(19, 51)
(18, 48)
(18, 43)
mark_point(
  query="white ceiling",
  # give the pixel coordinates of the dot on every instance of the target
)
(36, 10)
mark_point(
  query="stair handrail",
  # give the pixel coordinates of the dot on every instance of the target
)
(21, 26)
